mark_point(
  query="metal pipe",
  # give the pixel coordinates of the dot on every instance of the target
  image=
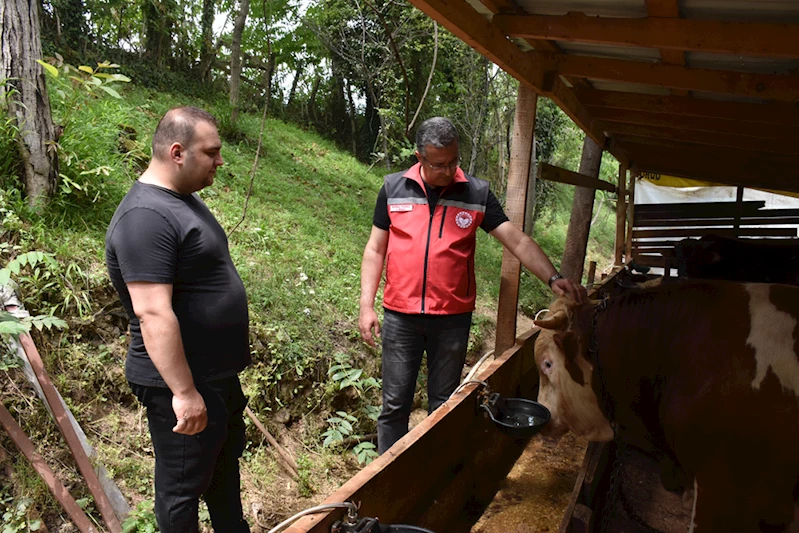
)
(477, 381)
(351, 507)
(476, 366)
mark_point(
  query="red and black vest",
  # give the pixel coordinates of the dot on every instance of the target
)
(430, 258)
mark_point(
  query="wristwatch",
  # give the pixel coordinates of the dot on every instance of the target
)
(552, 280)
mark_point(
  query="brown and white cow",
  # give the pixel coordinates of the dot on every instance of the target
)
(706, 371)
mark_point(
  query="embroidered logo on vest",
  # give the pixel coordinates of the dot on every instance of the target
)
(400, 208)
(463, 219)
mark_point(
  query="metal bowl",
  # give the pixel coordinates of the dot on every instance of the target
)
(516, 416)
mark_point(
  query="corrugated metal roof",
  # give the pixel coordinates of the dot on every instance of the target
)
(762, 65)
(602, 8)
(786, 11)
(625, 87)
(635, 53)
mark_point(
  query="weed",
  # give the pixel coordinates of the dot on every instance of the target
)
(365, 452)
(141, 519)
(15, 517)
(304, 475)
(340, 427)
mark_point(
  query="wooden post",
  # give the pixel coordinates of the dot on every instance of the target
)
(582, 209)
(739, 202)
(630, 218)
(589, 280)
(518, 172)
(621, 210)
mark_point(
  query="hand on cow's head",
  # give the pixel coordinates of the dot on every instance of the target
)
(560, 313)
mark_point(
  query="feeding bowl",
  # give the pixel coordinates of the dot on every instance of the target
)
(516, 416)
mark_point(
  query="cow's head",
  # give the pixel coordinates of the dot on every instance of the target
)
(561, 353)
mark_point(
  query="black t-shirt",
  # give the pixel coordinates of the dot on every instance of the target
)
(494, 215)
(160, 236)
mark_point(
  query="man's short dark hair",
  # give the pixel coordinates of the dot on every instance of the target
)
(178, 126)
(437, 131)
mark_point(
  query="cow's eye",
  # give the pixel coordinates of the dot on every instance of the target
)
(546, 366)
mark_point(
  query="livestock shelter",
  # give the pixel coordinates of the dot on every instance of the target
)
(701, 89)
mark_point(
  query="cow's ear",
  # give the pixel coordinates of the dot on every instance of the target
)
(568, 343)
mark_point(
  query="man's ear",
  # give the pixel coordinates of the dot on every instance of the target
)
(177, 152)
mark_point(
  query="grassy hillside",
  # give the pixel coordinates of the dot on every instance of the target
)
(298, 250)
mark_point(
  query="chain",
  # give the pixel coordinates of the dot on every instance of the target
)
(621, 446)
(615, 484)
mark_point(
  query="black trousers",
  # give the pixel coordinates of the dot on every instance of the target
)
(205, 465)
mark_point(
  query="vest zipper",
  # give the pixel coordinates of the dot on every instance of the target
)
(443, 218)
(426, 256)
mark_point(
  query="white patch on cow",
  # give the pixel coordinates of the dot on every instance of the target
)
(771, 335)
(693, 509)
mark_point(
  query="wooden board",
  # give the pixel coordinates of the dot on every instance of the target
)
(561, 175)
(454, 457)
(698, 232)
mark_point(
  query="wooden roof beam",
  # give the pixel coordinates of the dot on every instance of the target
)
(768, 113)
(766, 86)
(721, 37)
(528, 67)
(689, 123)
(668, 9)
(471, 27)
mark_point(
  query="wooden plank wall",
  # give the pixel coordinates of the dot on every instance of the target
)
(657, 228)
(451, 461)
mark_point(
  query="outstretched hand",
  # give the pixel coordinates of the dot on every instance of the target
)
(368, 321)
(566, 287)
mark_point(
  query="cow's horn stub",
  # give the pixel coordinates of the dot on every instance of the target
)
(558, 320)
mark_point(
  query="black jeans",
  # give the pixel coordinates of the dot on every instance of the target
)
(405, 338)
(205, 465)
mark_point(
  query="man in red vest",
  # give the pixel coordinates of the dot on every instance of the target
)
(424, 230)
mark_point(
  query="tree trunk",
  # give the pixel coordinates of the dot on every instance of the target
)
(580, 222)
(158, 31)
(312, 99)
(207, 45)
(338, 103)
(269, 75)
(25, 91)
(529, 215)
(480, 118)
(353, 127)
(235, 59)
(294, 83)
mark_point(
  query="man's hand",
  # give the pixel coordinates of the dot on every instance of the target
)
(191, 413)
(366, 322)
(566, 287)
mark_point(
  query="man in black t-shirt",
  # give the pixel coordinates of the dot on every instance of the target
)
(168, 259)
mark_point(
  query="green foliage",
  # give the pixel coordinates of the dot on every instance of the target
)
(365, 452)
(9, 133)
(345, 375)
(304, 476)
(339, 427)
(15, 516)
(141, 519)
(74, 91)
